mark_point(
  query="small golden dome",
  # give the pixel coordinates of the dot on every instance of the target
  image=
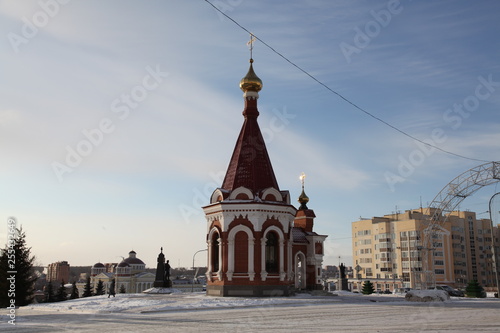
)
(251, 81)
(303, 200)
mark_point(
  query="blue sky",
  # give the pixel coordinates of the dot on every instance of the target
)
(155, 86)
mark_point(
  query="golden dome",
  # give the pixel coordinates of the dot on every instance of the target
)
(251, 81)
(303, 200)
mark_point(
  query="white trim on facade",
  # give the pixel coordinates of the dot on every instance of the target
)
(274, 192)
(256, 213)
(241, 190)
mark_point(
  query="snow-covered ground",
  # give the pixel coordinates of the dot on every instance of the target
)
(192, 312)
(177, 301)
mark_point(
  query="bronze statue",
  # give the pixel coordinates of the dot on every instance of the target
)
(342, 271)
(167, 271)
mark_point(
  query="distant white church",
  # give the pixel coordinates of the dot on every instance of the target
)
(129, 273)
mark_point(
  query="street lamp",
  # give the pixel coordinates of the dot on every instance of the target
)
(194, 272)
(493, 254)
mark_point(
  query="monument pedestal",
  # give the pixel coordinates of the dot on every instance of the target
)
(162, 284)
(342, 284)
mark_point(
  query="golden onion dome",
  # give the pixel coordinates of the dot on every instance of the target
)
(303, 200)
(251, 81)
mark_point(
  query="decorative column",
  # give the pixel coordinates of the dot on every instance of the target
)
(263, 272)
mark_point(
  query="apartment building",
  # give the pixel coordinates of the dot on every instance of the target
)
(391, 252)
(58, 272)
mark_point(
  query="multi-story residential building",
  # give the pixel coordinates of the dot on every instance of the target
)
(475, 238)
(390, 250)
(58, 272)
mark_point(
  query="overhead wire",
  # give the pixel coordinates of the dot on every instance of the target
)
(345, 99)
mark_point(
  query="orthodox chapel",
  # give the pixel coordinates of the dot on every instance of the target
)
(258, 243)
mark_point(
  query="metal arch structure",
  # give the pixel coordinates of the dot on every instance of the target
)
(447, 200)
(462, 187)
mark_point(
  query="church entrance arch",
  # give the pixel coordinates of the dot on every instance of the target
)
(300, 270)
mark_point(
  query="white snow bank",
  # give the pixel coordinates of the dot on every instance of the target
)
(166, 302)
(427, 296)
(161, 291)
(98, 304)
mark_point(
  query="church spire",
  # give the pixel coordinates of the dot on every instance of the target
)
(250, 165)
(303, 198)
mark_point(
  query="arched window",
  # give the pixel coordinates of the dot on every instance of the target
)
(272, 252)
(215, 252)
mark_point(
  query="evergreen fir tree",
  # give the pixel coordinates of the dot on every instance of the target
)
(49, 293)
(474, 289)
(367, 288)
(62, 295)
(99, 290)
(74, 291)
(122, 289)
(16, 257)
(87, 290)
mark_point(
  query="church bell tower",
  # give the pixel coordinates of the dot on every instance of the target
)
(249, 219)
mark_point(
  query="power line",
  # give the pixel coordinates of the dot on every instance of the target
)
(338, 94)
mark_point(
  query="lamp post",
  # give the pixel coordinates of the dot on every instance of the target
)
(463, 281)
(493, 254)
(194, 272)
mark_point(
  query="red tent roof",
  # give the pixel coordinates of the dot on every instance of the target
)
(250, 165)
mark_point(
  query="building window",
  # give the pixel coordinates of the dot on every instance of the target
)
(364, 232)
(414, 233)
(439, 271)
(272, 253)
(319, 248)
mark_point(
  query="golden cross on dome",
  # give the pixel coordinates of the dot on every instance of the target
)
(302, 179)
(250, 43)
